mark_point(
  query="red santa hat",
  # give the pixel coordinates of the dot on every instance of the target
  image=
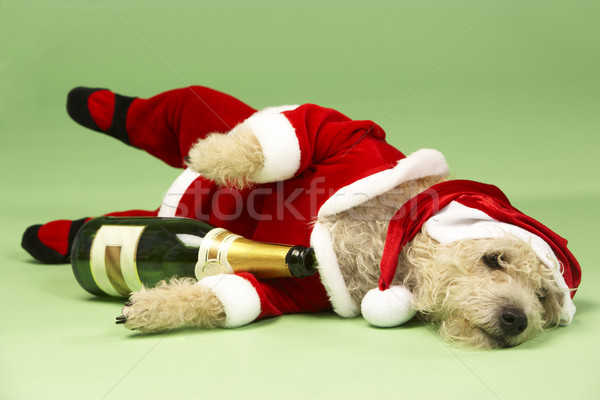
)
(457, 210)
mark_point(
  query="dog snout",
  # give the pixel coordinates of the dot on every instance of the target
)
(513, 321)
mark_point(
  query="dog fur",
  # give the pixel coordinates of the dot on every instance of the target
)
(471, 289)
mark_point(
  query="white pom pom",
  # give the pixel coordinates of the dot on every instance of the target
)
(387, 308)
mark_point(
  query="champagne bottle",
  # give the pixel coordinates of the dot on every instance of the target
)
(117, 255)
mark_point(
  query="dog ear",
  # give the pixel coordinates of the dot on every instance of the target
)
(553, 303)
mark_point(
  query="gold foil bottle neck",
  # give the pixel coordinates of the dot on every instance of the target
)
(224, 252)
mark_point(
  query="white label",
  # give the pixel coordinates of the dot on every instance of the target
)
(113, 259)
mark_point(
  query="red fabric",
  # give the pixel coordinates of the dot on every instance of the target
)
(167, 125)
(487, 198)
(55, 235)
(101, 105)
(286, 296)
(327, 136)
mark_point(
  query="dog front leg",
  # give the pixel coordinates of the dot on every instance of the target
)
(173, 304)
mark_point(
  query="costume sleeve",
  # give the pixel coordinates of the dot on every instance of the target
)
(294, 138)
(246, 298)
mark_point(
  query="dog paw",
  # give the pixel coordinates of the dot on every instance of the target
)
(145, 314)
(231, 160)
(132, 317)
(122, 319)
(174, 304)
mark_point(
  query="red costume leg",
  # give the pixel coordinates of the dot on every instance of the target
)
(51, 243)
(166, 125)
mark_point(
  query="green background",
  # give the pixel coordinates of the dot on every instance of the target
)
(507, 90)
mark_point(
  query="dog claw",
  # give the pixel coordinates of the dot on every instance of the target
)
(121, 319)
(129, 304)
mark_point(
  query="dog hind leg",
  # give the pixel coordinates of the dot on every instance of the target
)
(165, 125)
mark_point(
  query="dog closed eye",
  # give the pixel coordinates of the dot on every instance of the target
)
(493, 261)
(542, 294)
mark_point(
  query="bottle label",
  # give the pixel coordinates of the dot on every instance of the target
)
(113, 259)
(212, 253)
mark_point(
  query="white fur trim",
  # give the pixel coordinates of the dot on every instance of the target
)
(279, 143)
(420, 164)
(330, 274)
(457, 222)
(175, 193)
(238, 296)
(387, 308)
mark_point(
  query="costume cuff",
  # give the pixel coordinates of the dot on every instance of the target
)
(238, 296)
(279, 143)
(330, 274)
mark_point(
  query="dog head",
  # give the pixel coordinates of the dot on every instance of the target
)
(487, 293)
(490, 275)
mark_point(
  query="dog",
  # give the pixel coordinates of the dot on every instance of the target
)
(393, 236)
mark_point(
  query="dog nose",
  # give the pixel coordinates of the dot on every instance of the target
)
(513, 321)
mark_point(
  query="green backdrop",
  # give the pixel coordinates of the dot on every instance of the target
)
(507, 90)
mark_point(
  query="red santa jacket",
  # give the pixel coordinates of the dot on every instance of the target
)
(318, 162)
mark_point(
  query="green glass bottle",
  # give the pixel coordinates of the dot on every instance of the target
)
(115, 256)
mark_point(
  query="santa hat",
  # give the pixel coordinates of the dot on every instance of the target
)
(458, 210)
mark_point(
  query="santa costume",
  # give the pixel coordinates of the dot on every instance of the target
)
(318, 163)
